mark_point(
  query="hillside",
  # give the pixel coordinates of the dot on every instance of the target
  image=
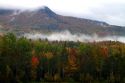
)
(45, 20)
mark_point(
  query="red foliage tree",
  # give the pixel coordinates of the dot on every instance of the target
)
(104, 51)
(34, 61)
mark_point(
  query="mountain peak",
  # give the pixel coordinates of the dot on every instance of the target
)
(46, 10)
(44, 19)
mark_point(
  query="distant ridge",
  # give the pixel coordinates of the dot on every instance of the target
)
(44, 20)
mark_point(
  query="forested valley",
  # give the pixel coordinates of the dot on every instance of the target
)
(24, 60)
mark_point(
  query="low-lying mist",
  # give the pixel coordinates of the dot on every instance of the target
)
(68, 36)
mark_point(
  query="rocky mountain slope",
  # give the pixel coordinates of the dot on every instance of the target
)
(45, 20)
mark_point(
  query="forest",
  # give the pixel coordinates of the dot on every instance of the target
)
(24, 60)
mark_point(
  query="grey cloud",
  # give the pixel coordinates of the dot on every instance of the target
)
(67, 36)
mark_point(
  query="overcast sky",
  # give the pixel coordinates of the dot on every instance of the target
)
(110, 11)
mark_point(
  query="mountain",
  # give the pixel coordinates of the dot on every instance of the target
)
(44, 20)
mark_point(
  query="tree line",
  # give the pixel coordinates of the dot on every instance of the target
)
(24, 60)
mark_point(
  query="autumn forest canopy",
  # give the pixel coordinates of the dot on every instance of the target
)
(25, 61)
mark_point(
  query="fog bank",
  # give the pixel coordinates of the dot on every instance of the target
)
(67, 36)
